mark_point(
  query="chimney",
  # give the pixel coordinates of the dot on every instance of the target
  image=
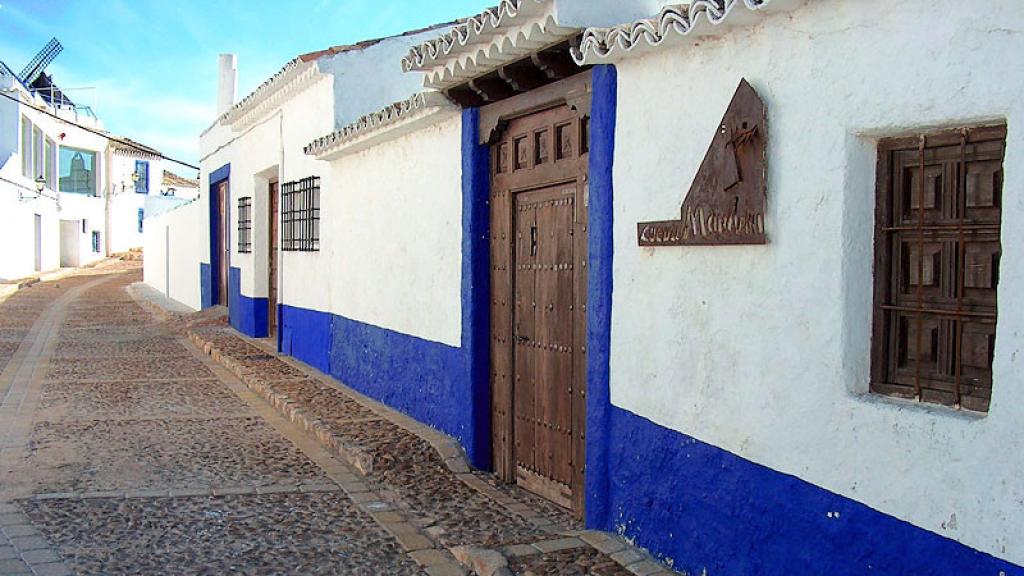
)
(228, 78)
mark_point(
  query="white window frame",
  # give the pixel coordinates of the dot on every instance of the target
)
(26, 147)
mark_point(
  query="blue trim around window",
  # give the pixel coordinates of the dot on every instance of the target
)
(142, 184)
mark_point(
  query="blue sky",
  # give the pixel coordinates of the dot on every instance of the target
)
(153, 63)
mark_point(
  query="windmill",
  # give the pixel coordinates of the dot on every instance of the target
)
(35, 78)
(43, 59)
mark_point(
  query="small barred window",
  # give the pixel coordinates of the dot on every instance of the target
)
(937, 253)
(300, 215)
(245, 225)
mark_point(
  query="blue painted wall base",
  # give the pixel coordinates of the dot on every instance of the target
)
(206, 286)
(426, 380)
(446, 387)
(708, 509)
(247, 315)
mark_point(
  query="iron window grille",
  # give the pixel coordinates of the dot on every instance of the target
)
(300, 215)
(245, 225)
(142, 216)
(937, 252)
(95, 242)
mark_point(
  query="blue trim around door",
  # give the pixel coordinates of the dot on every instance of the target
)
(211, 295)
(476, 283)
(604, 101)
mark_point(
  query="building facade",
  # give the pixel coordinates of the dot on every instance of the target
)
(735, 279)
(70, 195)
(63, 224)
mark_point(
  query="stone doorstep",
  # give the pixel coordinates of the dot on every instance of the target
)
(487, 562)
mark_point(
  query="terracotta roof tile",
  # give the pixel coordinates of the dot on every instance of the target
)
(172, 179)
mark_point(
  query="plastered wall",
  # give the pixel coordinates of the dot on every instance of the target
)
(393, 236)
(172, 252)
(764, 351)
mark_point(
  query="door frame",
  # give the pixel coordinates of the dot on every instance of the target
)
(574, 92)
(219, 218)
(273, 257)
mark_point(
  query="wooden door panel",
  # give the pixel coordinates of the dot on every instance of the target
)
(225, 249)
(538, 364)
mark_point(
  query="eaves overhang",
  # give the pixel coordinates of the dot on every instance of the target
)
(673, 26)
(392, 122)
(483, 43)
(297, 75)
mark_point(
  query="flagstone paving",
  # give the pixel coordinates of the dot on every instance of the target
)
(126, 449)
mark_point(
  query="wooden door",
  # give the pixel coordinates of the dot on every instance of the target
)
(273, 263)
(223, 239)
(538, 326)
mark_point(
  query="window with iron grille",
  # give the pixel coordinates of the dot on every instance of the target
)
(245, 225)
(937, 250)
(300, 215)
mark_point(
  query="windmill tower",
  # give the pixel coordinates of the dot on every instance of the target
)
(35, 78)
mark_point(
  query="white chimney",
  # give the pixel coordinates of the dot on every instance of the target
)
(228, 81)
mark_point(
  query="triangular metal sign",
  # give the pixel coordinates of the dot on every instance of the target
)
(726, 202)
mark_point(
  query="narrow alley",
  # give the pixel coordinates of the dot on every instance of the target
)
(128, 450)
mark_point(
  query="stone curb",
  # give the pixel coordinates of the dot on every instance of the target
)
(617, 549)
(356, 457)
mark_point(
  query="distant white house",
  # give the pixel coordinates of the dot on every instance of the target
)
(52, 177)
(140, 186)
(70, 194)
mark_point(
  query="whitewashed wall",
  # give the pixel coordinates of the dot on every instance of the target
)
(764, 351)
(272, 149)
(125, 202)
(352, 84)
(17, 234)
(17, 219)
(173, 251)
(393, 243)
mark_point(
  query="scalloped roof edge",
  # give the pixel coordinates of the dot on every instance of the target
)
(601, 44)
(420, 105)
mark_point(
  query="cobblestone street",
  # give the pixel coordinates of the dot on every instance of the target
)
(140, 441)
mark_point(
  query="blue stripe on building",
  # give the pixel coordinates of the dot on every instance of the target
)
(427, 380)
(206, 285)
(604, 101)
(708, 509)
(701, 507)
(248, 315)
(444, 386)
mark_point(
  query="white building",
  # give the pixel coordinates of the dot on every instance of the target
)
(63, 225)
(735, 278)
(70, 194)
(140, 186)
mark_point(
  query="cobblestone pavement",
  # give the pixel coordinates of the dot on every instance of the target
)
(125, 449)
